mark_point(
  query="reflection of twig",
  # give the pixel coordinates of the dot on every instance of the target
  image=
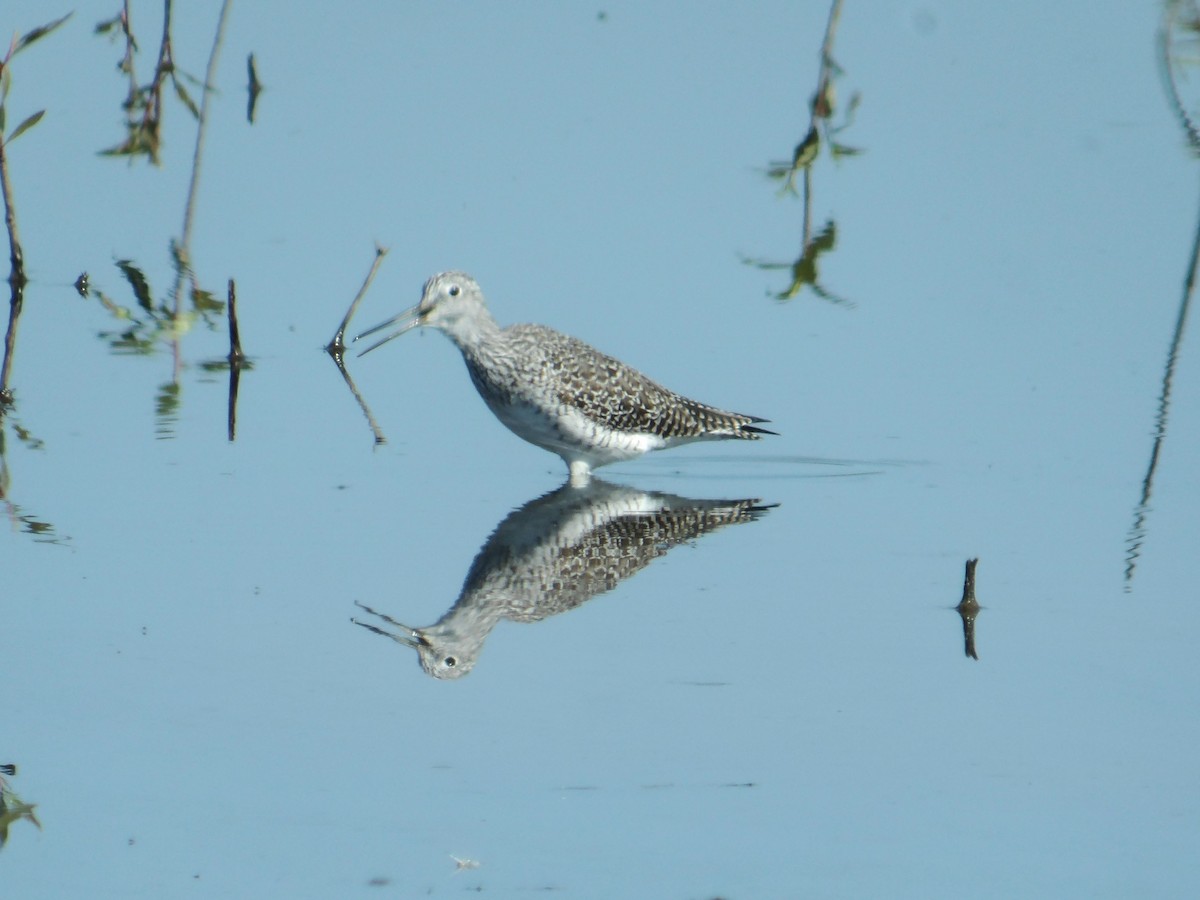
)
(43, 532)
(235, 380)
(1171, 16)
(143, 104)
(143, 135)
(821, 106)
(362, 404)
(804, 269)
(181, 251)
(16, 281)
(128, 60)
(336, 348)
(969, 608)
(154, 322)
(820, 110)
(16, 256)
(1137, 532)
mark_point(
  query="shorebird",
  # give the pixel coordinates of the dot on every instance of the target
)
(557, 392)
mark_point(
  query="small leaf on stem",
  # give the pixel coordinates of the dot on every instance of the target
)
(24, 126)
(41, 32)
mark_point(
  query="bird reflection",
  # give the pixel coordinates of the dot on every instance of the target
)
(554, 554)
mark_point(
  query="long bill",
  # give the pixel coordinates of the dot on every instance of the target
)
(414, 314)
(413, 638)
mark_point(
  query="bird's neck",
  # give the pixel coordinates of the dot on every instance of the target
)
(472, 334)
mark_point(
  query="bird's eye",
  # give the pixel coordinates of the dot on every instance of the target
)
(450, 662)
(454, 290)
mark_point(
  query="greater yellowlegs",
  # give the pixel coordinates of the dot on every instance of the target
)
(556, 391)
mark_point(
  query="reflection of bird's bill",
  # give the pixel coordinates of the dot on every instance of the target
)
(413, 639)
(414, 314)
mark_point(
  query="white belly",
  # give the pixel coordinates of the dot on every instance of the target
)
(572, 435)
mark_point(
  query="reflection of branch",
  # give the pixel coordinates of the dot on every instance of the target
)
(144, 134)
(1137, 532)
(16, 281)
(336, 348)
(362, 404)
(143, 104)
(804, 269)
(181, 251)
(235, 360)
(153, 322)
(821, 106)
(820, 110)
(43, 532)
(128, 62)
(1171, 15)
(143, 327)
(16, 256)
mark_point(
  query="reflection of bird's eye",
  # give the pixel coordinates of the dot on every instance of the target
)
(454, 289)
(450, 662)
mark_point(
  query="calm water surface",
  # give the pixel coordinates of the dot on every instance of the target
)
(727, 670)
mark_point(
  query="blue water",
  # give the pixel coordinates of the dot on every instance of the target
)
(781, 707)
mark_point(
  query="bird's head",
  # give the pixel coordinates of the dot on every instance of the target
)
(451, 302)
